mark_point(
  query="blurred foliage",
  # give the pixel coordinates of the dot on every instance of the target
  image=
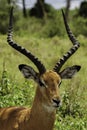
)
(80, 25)
(4, 13)
(83, 9)
(49, 26)
(3, 16)
(42, 10)
(11, 94)
(70, 123)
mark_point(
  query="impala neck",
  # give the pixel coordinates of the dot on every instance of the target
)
(41, 117)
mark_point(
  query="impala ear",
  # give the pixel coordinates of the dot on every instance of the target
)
(28, 72)
(69, 72)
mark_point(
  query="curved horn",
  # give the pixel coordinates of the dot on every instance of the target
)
(22, 50)
(71, 51)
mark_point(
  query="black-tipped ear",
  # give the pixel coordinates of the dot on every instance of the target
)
(69, 72)
(28, 71)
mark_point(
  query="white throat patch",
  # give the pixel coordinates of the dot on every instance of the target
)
(49, 108)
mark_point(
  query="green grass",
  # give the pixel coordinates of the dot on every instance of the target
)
(15, 91)
(48, 50)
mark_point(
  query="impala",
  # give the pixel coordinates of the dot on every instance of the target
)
(42, 114)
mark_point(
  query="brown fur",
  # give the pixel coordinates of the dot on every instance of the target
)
(42, 114)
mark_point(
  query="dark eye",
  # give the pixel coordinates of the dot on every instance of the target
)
(41, 83)
(60, 83)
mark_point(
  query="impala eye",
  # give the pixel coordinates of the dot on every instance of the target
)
(60, 83)
(41, 83)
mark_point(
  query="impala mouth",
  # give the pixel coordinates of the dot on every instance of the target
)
(56, 103)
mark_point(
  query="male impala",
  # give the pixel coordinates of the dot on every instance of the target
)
(42, 114)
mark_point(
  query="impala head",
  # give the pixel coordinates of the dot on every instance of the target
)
(48, 80)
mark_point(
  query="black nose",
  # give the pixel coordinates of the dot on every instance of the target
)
(57, 101)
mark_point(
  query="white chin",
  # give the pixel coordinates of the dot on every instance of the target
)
(49, 108)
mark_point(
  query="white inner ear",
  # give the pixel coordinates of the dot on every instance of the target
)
(69, 72)
(26, 73)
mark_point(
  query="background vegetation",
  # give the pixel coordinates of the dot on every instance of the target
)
(47, 39)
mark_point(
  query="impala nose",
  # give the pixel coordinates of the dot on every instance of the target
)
(56, 102)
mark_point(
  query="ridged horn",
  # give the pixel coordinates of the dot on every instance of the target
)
(71, 51)
(22, 50)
